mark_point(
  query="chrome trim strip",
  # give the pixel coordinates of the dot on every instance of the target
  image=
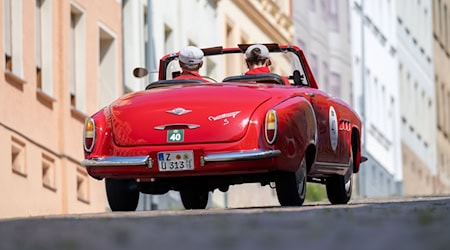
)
(145, 160)
(118, 161)
(242, 155)
(189, 126)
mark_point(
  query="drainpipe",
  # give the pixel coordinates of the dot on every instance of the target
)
(151, 66)
(150, 59)
(363, 189)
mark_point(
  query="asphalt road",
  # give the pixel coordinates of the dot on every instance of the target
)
(413, 223)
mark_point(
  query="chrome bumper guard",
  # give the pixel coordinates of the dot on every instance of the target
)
(145, 160)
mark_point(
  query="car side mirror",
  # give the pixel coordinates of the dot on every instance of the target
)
(140, 72)
(298, 78)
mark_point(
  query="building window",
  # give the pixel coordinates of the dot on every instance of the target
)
(82, 185)
(44, 47)
(210, 67)
(168, 39)
(107, 91)
(38, 40)
(145, 32)
(12, 35)
(326, 73)
(445, 27)
(301, 44)
(314, 66)
(434, 15)
(312, 5)
(335, 84)
(439, 17)
(134, 53)
(77, 59)
(7, 26)
(232, 68)
(438, 102)
(443, 108)
(18, 157)
(324, 8)
(447, 114)
(333, 15)
(48, 172)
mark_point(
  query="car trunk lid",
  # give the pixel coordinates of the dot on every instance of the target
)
(195, 114)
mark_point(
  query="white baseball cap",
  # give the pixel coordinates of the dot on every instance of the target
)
(191, 55)
(264, 50)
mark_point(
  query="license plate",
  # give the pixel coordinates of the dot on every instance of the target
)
(176, 160)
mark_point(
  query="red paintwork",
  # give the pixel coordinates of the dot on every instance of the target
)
(127, 126)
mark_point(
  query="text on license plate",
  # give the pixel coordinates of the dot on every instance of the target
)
(176, 160)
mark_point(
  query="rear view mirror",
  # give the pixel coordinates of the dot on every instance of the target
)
(140, 72)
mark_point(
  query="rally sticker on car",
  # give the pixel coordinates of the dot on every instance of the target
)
(176, 135)
(333, 128)
(224, 117)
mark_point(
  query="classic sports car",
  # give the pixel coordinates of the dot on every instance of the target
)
(194, 137)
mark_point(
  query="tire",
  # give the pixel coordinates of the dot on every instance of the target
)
(194, 199)
(123, 195)
(339, 190)
(291, 187)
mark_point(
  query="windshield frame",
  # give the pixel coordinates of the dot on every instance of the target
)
(170, 61)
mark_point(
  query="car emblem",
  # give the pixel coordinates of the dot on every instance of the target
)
(178, 111)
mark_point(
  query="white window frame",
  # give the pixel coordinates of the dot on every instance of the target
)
(77, 59)
(44, 44)
(133, 37)
(13, 34)
(107, 66)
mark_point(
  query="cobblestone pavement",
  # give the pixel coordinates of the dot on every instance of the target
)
(413, 223)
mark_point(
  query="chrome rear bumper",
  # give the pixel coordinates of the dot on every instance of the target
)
(145, 160)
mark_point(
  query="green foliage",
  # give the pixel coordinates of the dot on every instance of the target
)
(315, 192)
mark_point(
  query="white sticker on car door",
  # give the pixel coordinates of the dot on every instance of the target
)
(333, 128)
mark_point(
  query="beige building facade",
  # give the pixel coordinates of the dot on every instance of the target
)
(441, 57)
(61, 63)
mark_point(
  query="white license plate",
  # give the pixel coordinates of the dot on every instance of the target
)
(176, 160)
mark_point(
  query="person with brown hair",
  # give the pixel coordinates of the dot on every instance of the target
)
(258, 61)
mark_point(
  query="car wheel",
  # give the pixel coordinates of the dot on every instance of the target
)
(123, 195)
(291, 187)
(339, 188)
(194, 199)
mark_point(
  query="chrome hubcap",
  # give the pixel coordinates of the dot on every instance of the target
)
(348, 185)
(300, 175)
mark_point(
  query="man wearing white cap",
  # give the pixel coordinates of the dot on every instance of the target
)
(191, 60)
(258, 60)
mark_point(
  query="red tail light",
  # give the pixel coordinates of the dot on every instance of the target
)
(271, 126)
(89, 134)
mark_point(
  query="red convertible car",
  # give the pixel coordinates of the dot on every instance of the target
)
(194, 137)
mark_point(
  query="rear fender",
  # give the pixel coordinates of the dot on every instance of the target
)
(297, 130)
(103, 135)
